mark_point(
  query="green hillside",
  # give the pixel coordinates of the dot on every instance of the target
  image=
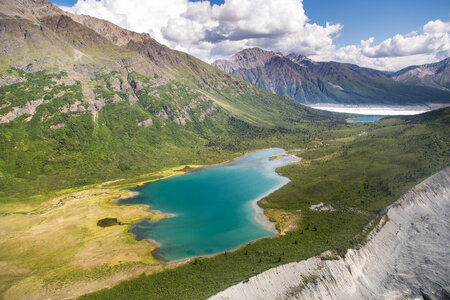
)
(93, 111)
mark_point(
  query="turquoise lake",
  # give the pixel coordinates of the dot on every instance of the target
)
(365, 119)
(214, 207)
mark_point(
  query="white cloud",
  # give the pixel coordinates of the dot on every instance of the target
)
(148, 16)
(436, 27)
(217, 31)
(435, 38)
(211, 32)
(429, 45)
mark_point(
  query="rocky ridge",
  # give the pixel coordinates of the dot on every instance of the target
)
(406, 256)
(70, 38)
(307, 81)
(435, 75)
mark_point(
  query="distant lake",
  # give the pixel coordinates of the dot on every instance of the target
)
(365, 119)
(214, 207)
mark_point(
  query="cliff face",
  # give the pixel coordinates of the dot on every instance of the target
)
(406, 257)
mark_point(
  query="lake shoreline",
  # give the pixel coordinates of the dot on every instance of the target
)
(412, 221)
(259, 213)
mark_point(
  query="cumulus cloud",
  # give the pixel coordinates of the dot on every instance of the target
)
(217, 31)
(214, 31)
(433, 39)
(429, 45)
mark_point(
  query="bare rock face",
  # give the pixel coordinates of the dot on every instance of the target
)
(433, 75)
(7, 47)
(146, 123)
(307, 81)
(322, 207)
(143, 43)
(31, 66)
(162, 114)
(9, 79)
(57, 126)
(406, 257)
(116, 85)
(86, 69)
(132, 98)
(29, 9)
(110, 31)
(208, 111)
(246, 59)
(179, 121)
(77, 106)
(28, 108)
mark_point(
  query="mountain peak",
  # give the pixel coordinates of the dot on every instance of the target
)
(29, 9)
(307, 81)
(256, 55)
(246, 59)
(300, 59)
(257, 51)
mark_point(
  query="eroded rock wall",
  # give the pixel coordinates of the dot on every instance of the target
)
(406, 258)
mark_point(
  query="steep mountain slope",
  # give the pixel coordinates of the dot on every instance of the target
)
(435, 75)
(308, 81)
(95, 102)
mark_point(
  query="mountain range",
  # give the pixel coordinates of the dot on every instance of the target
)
(308, 81)
(80, 95)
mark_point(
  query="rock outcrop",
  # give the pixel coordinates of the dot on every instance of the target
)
(405, 257)
(28, 108)
(146, 123)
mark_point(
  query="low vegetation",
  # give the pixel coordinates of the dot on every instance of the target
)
(358, 174)
(370, 173)
(93, 145)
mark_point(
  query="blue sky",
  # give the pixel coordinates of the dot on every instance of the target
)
(379, 18)
(384, 34)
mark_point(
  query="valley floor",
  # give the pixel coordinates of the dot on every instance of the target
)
(337, 195)
(57, 250)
